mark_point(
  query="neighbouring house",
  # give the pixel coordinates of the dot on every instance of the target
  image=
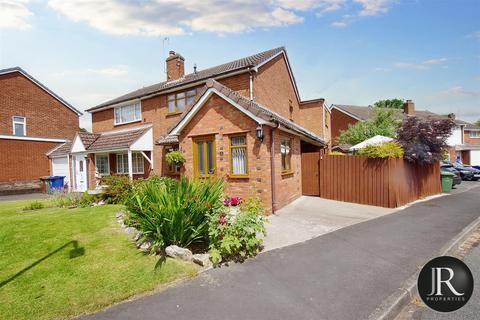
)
(464, 142)
(243, 121)
(33, 120)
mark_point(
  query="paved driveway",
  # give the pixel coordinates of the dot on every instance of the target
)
(310, 217)
(344, 274)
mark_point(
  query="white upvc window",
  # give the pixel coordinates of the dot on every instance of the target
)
(137, 163)
(19, 126)
(128, 113)
(474, 134)
(102, 164)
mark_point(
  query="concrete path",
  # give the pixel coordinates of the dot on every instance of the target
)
(27, 196)
(344, 274)
(309, 217)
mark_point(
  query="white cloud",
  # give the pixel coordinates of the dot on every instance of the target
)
(176, 17)
(111, 72)
(475, 35)
(373, 7)
(303, 5)
(339, 24)
(459, 91)
(14, 14)
(421, 65)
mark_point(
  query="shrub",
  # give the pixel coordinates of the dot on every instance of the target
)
(336, 153)
(67, 200)
(383, 122)
(118, 188)
(35, 205)
(175, 158)
(174, 212)
(424, 140)
(235, 237)
(389, 149)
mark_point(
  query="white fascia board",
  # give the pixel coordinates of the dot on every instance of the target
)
(77, 145)
(144, 142)
(25, 138)
(181, 125)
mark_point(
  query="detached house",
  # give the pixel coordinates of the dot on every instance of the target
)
(464, 142)
(33, 120)
(243, 121)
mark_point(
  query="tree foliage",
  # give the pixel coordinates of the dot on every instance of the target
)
(383, 122)
(389, 103)
(424, 141)
(477, 123)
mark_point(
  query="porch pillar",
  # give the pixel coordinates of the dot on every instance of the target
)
(130, 165)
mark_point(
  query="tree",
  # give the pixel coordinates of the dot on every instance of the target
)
(383, 122)
(424, 141)
(477, 123)
(389, 103)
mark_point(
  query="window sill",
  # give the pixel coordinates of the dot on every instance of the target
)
(123, 123)
(238, 176)
(172, 114)
(287, 173)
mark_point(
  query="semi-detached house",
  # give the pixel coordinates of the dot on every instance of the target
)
(243, 121)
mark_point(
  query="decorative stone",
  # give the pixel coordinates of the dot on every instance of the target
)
(179, 253)
(202, 259)
(119, 215)
(146, 245)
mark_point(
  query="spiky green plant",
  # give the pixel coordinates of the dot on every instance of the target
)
(175, 212)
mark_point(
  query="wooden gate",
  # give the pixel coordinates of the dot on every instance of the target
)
(310, 174)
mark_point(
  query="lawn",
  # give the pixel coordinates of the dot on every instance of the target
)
(59, 263)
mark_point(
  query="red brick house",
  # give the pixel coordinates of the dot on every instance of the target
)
(464, 142)
(33, 120)
(243, 121)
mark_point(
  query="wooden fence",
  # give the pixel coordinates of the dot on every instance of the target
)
(380, 182)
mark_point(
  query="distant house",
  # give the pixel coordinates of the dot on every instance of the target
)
(33, 120)
(243, 121)
(464, 142)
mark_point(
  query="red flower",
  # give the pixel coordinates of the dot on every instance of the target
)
(222, 219)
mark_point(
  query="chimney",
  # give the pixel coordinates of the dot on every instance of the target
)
(409, 108)
(175, 66)
(451, 116)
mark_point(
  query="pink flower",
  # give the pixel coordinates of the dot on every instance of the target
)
(222, 219)
(235, 201)
(227, 201)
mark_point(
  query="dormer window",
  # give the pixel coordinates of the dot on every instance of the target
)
(128, 113)
(178, 101)
(19, 126)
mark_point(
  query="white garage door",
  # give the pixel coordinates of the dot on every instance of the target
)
(475, 157)
(60, 168)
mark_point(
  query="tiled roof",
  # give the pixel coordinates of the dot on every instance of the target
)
(120, 139)
(60, 150)
(88, 138)
(253, 107)
(167, 140)
(243, 63)
(364, 113)
(41, 85)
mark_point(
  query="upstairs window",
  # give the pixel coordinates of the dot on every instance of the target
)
(19, 126)
(178, 101)
(128, 113)
(286, 152)
(474, 134)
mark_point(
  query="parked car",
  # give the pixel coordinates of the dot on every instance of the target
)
(466, 172)
(448, 167)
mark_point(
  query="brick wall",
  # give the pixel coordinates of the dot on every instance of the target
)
(220, 119)
(45, 115)
(468, 140)
(339, 121)
(24, 160)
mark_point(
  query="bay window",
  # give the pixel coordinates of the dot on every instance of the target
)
(137, 163)
(102, 164)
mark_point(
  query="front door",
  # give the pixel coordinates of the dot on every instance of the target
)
(80, 167)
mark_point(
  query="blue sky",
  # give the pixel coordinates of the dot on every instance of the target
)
(346, 51)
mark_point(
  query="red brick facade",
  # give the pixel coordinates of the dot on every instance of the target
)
(339, 122)
(46, 117)
(274, 89)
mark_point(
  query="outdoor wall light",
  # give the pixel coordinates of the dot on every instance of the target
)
(259, 132)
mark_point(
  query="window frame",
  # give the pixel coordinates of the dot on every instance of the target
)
(24, 123)
(117, 121)
(230, 149)
(475, 136)
(205, 140)
(125, 170)
(288, 156)
(175, 98)
(108, 164)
